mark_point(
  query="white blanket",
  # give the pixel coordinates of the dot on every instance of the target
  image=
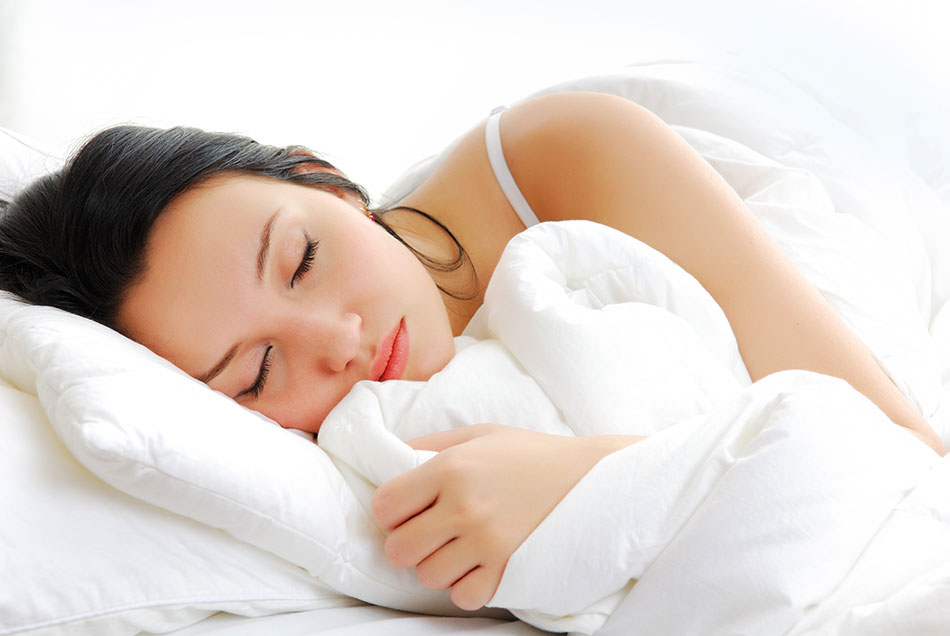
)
(747, 506)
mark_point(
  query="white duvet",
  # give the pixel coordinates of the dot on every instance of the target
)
(787, 506)
(742, 513)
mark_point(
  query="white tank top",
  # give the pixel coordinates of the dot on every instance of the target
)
(499, 166)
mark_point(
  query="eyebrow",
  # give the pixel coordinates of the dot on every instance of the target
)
(218, 368)
(262, 252)
(265, 245)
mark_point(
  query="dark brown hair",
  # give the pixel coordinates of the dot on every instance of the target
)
(76, 239)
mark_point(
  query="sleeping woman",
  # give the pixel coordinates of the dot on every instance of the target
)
(261, 272)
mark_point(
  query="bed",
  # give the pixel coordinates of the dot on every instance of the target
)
(115, 524)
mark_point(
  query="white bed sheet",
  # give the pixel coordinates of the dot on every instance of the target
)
(362, 620)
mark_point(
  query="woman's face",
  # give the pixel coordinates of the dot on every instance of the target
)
(283, 297)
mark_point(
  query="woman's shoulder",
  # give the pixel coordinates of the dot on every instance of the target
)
(558, 113)
(540, 139)
(567, 151)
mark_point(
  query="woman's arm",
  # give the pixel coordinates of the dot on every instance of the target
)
(604, 158)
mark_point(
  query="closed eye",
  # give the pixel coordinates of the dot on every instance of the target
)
(306, 262)
(257, 388)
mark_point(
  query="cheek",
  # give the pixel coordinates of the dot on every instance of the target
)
(300, 400)
(434, 342)
(380, 272)
(436, 356)
(294, 413)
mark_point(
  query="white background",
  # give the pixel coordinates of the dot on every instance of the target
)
(376, 85)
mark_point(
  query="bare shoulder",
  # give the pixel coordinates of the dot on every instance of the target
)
(538, 135)
(560, 112)
(573, 154)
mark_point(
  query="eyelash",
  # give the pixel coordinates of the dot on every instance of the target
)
(306, 262)
(258, 387)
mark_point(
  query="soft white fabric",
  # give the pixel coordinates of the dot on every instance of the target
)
(362, 620)
(748, 505)
(21, 161)
(154, 433)
(81, 558)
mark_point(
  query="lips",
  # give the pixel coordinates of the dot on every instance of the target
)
(392, 354)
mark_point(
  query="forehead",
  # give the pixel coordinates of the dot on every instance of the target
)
(225, 199)
(200, 258)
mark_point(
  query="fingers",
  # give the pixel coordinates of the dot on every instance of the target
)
(473, 584)
(441, 569)
(403, 497)
(450, 517)
(440, 441)
(418, 538)
(477, 587)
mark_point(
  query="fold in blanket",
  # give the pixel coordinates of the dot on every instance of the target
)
(744, 510)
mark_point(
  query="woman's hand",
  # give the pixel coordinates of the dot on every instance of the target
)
(458, 517)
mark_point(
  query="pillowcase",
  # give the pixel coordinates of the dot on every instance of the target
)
(80, 557)
(21, 161)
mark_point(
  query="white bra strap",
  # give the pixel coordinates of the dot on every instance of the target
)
(499, 166)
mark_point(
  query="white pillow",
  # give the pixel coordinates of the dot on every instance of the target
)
(21, 161)
(80, 557)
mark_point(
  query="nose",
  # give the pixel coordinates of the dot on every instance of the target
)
(329, 341)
